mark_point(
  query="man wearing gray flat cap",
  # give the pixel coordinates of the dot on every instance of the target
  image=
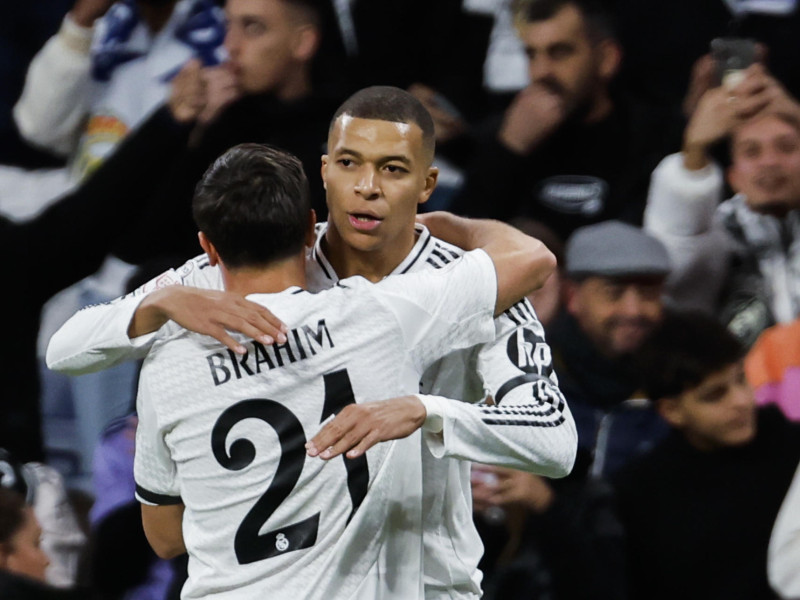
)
(615, 275)
(615, 279)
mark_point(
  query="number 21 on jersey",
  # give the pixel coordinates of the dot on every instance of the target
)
(249, 545)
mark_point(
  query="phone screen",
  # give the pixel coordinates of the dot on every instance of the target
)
(731, 57)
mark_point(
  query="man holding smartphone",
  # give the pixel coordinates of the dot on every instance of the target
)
(743, 248)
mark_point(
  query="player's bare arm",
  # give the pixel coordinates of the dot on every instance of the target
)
(360, 426)
(162, 527)
(209, 312)
(522, 262)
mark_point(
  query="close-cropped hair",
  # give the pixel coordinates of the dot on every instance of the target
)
(686, 348)
(599, 22)
(388, 103)
(307, 11)
(12, 514)
(253, 205)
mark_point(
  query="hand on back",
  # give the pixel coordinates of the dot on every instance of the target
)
(210, 312)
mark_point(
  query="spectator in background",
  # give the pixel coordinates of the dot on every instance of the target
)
(433, 48)
(62, 535)
(562, 538)
(699, 508)
(737, 259)
(66, 242)
(22, 560)
(89, 86)
(615, 276)
(271, 45)
(568, 151)
(24, 28)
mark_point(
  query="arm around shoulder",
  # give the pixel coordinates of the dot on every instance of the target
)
(522, 263)
(96, 338)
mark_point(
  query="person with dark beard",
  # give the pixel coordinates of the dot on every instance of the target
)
(563, 539)
(615, 281)
(568, 151)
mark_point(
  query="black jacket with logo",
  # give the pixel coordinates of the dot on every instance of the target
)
(582, 174)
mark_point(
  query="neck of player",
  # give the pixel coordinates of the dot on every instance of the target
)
(371, 264)
(270, 279)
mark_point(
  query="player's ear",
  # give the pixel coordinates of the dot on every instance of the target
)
(431, 179)
(671, 410)
(324, 170)
(208, 248)
(305, 43)
(610, 59)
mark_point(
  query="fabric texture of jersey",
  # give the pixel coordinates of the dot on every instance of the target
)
(225, 434)
(530, 428)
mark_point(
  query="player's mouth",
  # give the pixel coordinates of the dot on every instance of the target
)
(363, 222)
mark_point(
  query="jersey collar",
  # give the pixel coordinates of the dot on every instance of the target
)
(424, 240)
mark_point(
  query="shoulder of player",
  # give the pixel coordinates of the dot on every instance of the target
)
(434, 254)
(441, 244)
(521, 314)
(197, 269)
(174, 342)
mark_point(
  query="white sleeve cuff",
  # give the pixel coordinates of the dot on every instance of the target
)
(433, 427)
(434, 421)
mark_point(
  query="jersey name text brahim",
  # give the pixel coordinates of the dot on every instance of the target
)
(303, 342)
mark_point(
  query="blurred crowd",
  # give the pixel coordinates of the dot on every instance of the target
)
(653, 146)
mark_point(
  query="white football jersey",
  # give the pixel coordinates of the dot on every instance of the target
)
(529, 428)
(225, 435)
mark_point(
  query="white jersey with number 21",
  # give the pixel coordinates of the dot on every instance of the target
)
(224, 434)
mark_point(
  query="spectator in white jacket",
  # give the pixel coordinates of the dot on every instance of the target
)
(739, 259)
(108, 67)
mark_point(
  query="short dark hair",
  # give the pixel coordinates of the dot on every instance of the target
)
(686, 348)
(307, 10)
(12, 514)
(790, 119)
(253, 205)
(599, 22)
(388, 103)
